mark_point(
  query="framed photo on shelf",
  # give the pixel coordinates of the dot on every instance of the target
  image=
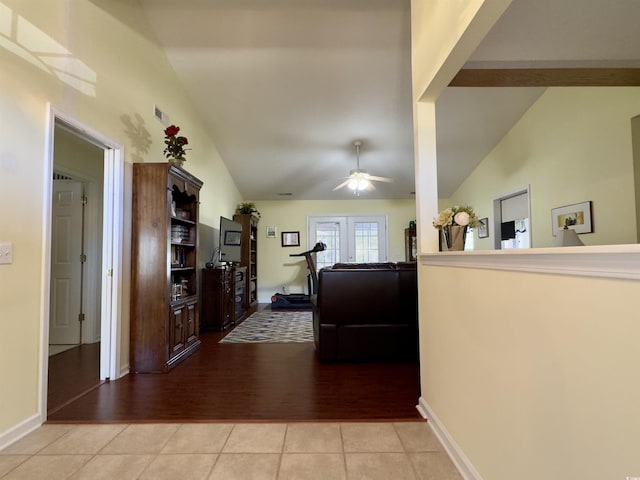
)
(576, 217)
(483, 228)
(290, 239)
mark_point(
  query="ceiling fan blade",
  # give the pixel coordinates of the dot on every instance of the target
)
(380, 179)
(343, 184)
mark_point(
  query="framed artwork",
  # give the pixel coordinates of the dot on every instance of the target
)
(576, 216)
(290, 239)
(483, 228)
(232, 237)
(271, 232)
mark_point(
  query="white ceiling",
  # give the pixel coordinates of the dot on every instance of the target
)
(286, 86)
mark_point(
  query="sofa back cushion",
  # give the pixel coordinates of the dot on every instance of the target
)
(358, 296)
(364, 266)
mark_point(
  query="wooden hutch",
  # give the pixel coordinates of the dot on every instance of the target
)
(164, 259)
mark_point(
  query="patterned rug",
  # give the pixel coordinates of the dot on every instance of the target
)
(273, 327)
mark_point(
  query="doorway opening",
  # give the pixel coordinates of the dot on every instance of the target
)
(81, 302)
(511, 220)
(76, 263)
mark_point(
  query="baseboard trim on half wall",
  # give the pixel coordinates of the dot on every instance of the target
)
(459, 459)
(20, 430)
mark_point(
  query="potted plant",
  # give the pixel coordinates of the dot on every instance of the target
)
(248, 208)
(174, 149)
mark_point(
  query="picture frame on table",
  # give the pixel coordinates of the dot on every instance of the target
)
(232, 237)
(577, 216)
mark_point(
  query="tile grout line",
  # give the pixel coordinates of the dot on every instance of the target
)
(284, 441)
(219, 454)
(156, 455)
(405, 452)
(344, 453)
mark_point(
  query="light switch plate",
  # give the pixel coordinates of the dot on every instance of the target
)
(6, 253)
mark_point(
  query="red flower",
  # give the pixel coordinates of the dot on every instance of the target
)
(175, 145)
(171, 130)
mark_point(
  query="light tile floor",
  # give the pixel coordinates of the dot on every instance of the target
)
(218, 451)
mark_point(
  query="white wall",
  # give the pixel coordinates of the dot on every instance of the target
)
(276, 268)
(532, 375)
(97, 63)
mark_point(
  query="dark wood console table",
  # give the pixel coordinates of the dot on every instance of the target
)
(222, 297)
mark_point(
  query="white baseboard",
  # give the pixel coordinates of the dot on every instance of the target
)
(20, 430)
(124, 371)
(459, 459)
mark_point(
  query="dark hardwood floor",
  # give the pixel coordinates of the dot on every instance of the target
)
(71, 374)
(253, 382)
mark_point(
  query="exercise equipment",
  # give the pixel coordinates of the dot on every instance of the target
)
(300, 300)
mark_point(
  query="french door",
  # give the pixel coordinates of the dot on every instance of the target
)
(353, 238)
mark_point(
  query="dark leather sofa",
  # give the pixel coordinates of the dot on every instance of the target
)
(366, 312)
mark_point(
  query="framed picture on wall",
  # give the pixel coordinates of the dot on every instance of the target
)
(576, 217)
(290, 239)
(271, 232)
(483, 228)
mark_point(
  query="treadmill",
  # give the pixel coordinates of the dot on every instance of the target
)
(300, 300)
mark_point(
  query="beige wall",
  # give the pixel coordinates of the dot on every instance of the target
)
(537, 378)
(573, 145)
(532, 375)
(117, 74)
(635, 133)
(276, 268)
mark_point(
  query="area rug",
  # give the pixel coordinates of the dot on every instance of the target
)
(273, 327)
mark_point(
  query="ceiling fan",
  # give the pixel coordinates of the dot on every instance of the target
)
(359, 179)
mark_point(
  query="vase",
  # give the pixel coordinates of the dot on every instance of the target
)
(176, 161)
(455, 236)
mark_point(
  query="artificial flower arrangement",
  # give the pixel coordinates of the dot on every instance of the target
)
(458, 215)
(174, 144)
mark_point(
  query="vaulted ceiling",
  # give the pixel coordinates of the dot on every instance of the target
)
(286, 86)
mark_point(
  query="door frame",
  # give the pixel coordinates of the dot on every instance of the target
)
(112, 249)
(497, 213)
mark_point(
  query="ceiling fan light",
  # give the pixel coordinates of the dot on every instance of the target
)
(363, 184)
(353, 184)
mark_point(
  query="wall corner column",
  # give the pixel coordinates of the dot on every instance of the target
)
(426, 168)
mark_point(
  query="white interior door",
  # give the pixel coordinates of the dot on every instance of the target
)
(66, 265)
(349, 238)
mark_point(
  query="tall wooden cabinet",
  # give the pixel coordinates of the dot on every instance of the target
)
(249, 258)
(410, 244)
(164, 259)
